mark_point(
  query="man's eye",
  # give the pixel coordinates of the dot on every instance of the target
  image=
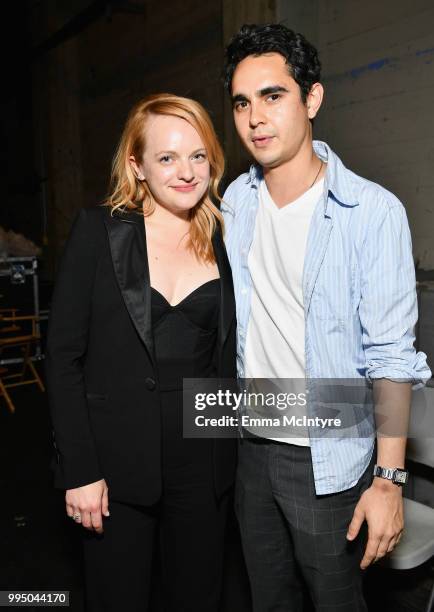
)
(274, 97)
(241, 105)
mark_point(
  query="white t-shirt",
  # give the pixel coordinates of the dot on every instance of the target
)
(275, 335)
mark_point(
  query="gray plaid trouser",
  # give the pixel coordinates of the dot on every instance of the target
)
(290, 534)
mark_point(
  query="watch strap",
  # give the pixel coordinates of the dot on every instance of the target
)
(384, 472)
(398, 476)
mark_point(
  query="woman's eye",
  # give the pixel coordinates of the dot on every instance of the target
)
(200, 156)
(165, 159)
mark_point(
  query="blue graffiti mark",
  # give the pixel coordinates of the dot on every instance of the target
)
(372, 67)
(378, 64)
(390, 62)
(425, 51)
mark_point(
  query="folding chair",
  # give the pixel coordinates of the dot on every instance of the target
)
(17, 334)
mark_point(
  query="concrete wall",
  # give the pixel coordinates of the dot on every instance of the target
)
(378, 71)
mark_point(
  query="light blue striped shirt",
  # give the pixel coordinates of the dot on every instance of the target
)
(359, 294)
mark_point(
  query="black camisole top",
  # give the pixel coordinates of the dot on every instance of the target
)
(185, 335)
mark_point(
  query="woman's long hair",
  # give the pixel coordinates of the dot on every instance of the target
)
(128, 193)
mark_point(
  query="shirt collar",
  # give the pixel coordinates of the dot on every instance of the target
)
(338, 179)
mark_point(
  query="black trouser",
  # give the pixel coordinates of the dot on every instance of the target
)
(290, 534)
(190, 523)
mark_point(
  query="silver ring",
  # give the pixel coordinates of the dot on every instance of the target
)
(76, 517)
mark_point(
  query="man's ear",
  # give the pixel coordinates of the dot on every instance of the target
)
(136, 168)
(314, 100)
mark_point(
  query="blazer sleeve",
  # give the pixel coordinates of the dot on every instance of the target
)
(77, 460)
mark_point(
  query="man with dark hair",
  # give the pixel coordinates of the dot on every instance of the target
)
(325, 287)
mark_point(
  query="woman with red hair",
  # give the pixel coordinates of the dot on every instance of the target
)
(143, 299)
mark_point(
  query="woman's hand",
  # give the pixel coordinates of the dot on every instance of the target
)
(87, 505)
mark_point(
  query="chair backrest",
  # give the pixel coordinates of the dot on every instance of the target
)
(420, 446)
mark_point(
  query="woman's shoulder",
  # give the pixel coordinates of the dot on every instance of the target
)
(98, 222)
(88, 226)
(95, 214)
(102, 213)
(91, 219)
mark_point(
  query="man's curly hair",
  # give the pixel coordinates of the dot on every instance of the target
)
(300, 56)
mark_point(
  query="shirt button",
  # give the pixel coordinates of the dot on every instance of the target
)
(150, 384)
(243, 291)
(241, 334)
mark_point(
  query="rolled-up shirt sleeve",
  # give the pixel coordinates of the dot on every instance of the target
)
(388, 307)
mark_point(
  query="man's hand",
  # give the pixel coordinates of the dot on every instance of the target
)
(382, 507)
(90, 502)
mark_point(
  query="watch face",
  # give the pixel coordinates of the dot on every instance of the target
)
(400, 476)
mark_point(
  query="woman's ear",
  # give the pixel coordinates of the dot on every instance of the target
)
(136, 168)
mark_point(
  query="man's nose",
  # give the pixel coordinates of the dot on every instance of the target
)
(256, 116)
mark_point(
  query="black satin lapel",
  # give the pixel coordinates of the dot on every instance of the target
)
(227, 310)
(128, 250)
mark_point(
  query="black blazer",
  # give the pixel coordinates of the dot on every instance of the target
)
(102, 379)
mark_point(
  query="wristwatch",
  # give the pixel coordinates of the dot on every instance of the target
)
(396, 475)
